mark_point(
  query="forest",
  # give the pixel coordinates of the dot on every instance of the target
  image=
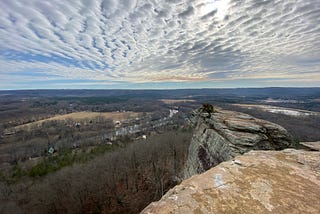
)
(87, 151)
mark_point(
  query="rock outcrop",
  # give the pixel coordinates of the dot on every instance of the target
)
(222, 135)
(285, 181)
(313, 146)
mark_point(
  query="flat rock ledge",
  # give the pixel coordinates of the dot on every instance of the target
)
(314, 146)
(286, 181)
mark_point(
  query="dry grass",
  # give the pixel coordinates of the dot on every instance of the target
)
(168, 101)
(84, 115)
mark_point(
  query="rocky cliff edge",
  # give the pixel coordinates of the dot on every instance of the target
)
(285, 181)
(221, 135)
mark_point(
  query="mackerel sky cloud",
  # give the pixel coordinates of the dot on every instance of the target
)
(165, 43)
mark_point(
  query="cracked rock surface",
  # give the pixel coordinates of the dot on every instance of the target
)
(285, 181)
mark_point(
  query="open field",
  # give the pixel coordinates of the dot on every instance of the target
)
(173, 101)
(84, 116)
(279, 110)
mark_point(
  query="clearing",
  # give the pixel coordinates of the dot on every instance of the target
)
(279, 110)
(171, 101)
(85, 116)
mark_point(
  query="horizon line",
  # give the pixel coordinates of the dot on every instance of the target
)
(157, 89)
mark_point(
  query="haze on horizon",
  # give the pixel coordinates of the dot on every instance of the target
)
(159, 43)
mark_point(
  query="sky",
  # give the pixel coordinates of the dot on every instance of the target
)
(159, 44)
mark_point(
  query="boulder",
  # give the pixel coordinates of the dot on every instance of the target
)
(285, 181)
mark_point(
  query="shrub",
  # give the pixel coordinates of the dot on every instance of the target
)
(206, 107)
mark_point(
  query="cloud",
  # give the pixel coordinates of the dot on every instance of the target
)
(154, 41)
(188, 12)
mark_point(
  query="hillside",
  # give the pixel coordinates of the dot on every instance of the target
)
(123, 175)
(238, 179)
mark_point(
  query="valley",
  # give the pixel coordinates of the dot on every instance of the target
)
(117, 153)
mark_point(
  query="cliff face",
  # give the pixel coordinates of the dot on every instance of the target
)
(222, 135)
(285, 181)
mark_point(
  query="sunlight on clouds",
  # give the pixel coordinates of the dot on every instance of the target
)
(161, 41)
(220, 7)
